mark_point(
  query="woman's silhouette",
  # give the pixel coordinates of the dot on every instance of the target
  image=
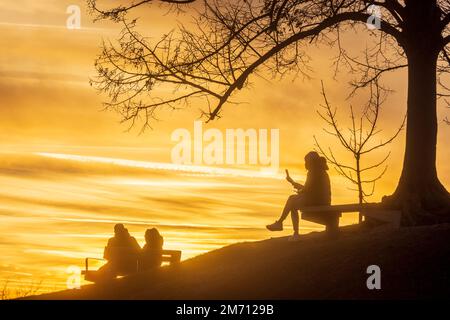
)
(316, 191)
(151, 254)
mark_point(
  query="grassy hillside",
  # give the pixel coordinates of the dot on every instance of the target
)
(414, 262)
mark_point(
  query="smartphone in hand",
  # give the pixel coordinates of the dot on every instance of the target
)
(288, 177)
(297, 186)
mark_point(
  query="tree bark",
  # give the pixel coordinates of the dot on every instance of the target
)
(420, 194)
(360, 187)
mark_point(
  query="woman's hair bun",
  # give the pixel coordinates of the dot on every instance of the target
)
(323, 163)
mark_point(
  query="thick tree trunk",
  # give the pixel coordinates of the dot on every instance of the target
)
(420, 194)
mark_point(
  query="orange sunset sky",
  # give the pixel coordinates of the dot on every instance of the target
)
(69, 171)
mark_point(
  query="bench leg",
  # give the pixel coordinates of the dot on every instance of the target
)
(332, 228)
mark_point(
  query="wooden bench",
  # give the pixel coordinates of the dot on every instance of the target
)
(329, 215)
(173, 257)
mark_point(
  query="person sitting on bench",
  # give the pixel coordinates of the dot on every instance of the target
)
(151, 254)
(315, 192)
(121, 253)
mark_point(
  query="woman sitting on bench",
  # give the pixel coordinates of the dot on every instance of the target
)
(315, 192)
(152, 253)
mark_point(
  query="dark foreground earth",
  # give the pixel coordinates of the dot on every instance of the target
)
(414, 263)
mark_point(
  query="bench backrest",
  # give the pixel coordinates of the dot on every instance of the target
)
(126, 253)
(171, 256)
(351, 207)
(328, 214)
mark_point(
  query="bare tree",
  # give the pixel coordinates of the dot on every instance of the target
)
(359, 142)
(234, 40)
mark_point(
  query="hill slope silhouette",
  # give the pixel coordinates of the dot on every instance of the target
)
(414, 262)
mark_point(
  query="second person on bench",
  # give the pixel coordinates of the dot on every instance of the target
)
(151, 254)
(315, 192)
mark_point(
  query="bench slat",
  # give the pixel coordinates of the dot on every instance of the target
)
(352, 207)
(319, 214)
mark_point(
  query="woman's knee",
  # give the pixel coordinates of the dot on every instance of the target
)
(290, 202)
(296, 201)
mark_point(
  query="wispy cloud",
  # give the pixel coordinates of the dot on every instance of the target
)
(52, 26)
(215, 171)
